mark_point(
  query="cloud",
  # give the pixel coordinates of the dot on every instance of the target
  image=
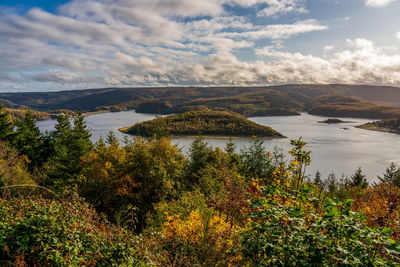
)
(397, 35)
(328, 48)
(104, 43)
(283, 7)
(4, 76)
(281, 31)
(361, 63)
(61, 76)
(378, 3)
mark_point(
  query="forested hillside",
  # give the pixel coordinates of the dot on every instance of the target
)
(65, 201)
(366, 101)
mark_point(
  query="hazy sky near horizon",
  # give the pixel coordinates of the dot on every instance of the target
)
(59, 44)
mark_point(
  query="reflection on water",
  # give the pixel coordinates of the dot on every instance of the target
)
(333, 149)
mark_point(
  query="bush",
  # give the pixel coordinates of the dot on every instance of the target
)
(381, 206)
(140, 174)
(287, 231)
(53, 233)
(13, 169)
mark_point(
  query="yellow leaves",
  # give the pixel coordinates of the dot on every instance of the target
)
(107, 165)
(188, 231)
(197, 229)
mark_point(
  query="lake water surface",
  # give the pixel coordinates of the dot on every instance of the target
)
(334, 149)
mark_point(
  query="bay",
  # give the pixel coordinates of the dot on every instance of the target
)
(335, 148)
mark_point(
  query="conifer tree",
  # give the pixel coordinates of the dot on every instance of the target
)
(81, 144)
(317, 179)
(111, 138)
(331, 183)
(358, 179)
(6, 126)
(257, 161)
(70, 144)
(230, 147)
(30, 141)
(391, 175)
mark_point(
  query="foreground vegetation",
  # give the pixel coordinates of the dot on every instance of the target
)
(202, 122)
(67, 202)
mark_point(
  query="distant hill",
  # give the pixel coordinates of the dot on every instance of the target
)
(202, 122)
(366, 101)
(342, 106)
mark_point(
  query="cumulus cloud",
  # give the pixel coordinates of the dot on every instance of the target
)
(362, 62)
(90, 43)
(378, 3)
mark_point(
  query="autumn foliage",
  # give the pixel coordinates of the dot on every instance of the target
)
(145, 202)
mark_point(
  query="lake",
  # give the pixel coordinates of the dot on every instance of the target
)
(334, 149)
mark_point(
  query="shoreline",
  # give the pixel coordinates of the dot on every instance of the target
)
(90, 113)
(216, 137)
(376, 129)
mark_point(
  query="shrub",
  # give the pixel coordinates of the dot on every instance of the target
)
(286, 231)
(203, 239)
(380, 204)
(53, 233)
(13, 169)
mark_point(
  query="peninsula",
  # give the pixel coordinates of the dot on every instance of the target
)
(390, 126)
(202, 122)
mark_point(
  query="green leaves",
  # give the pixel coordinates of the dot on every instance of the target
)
(50, 233)
(286, 230)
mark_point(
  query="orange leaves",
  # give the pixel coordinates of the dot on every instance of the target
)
(381, 206)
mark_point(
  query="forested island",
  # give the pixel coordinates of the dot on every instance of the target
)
(333, 121)
(202, 122)
(390, 126)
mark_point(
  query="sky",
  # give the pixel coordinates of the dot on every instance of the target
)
(62, 45)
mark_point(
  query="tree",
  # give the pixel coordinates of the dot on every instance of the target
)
(31, 142)
(358, 179)
(317, 179)
(391, 175)
(6, 126)
(81, 143)
(141, 174)
(331, 183)
(111, 138)
(256, 161)
(230, 147)
(70, 145)
(199, 157)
